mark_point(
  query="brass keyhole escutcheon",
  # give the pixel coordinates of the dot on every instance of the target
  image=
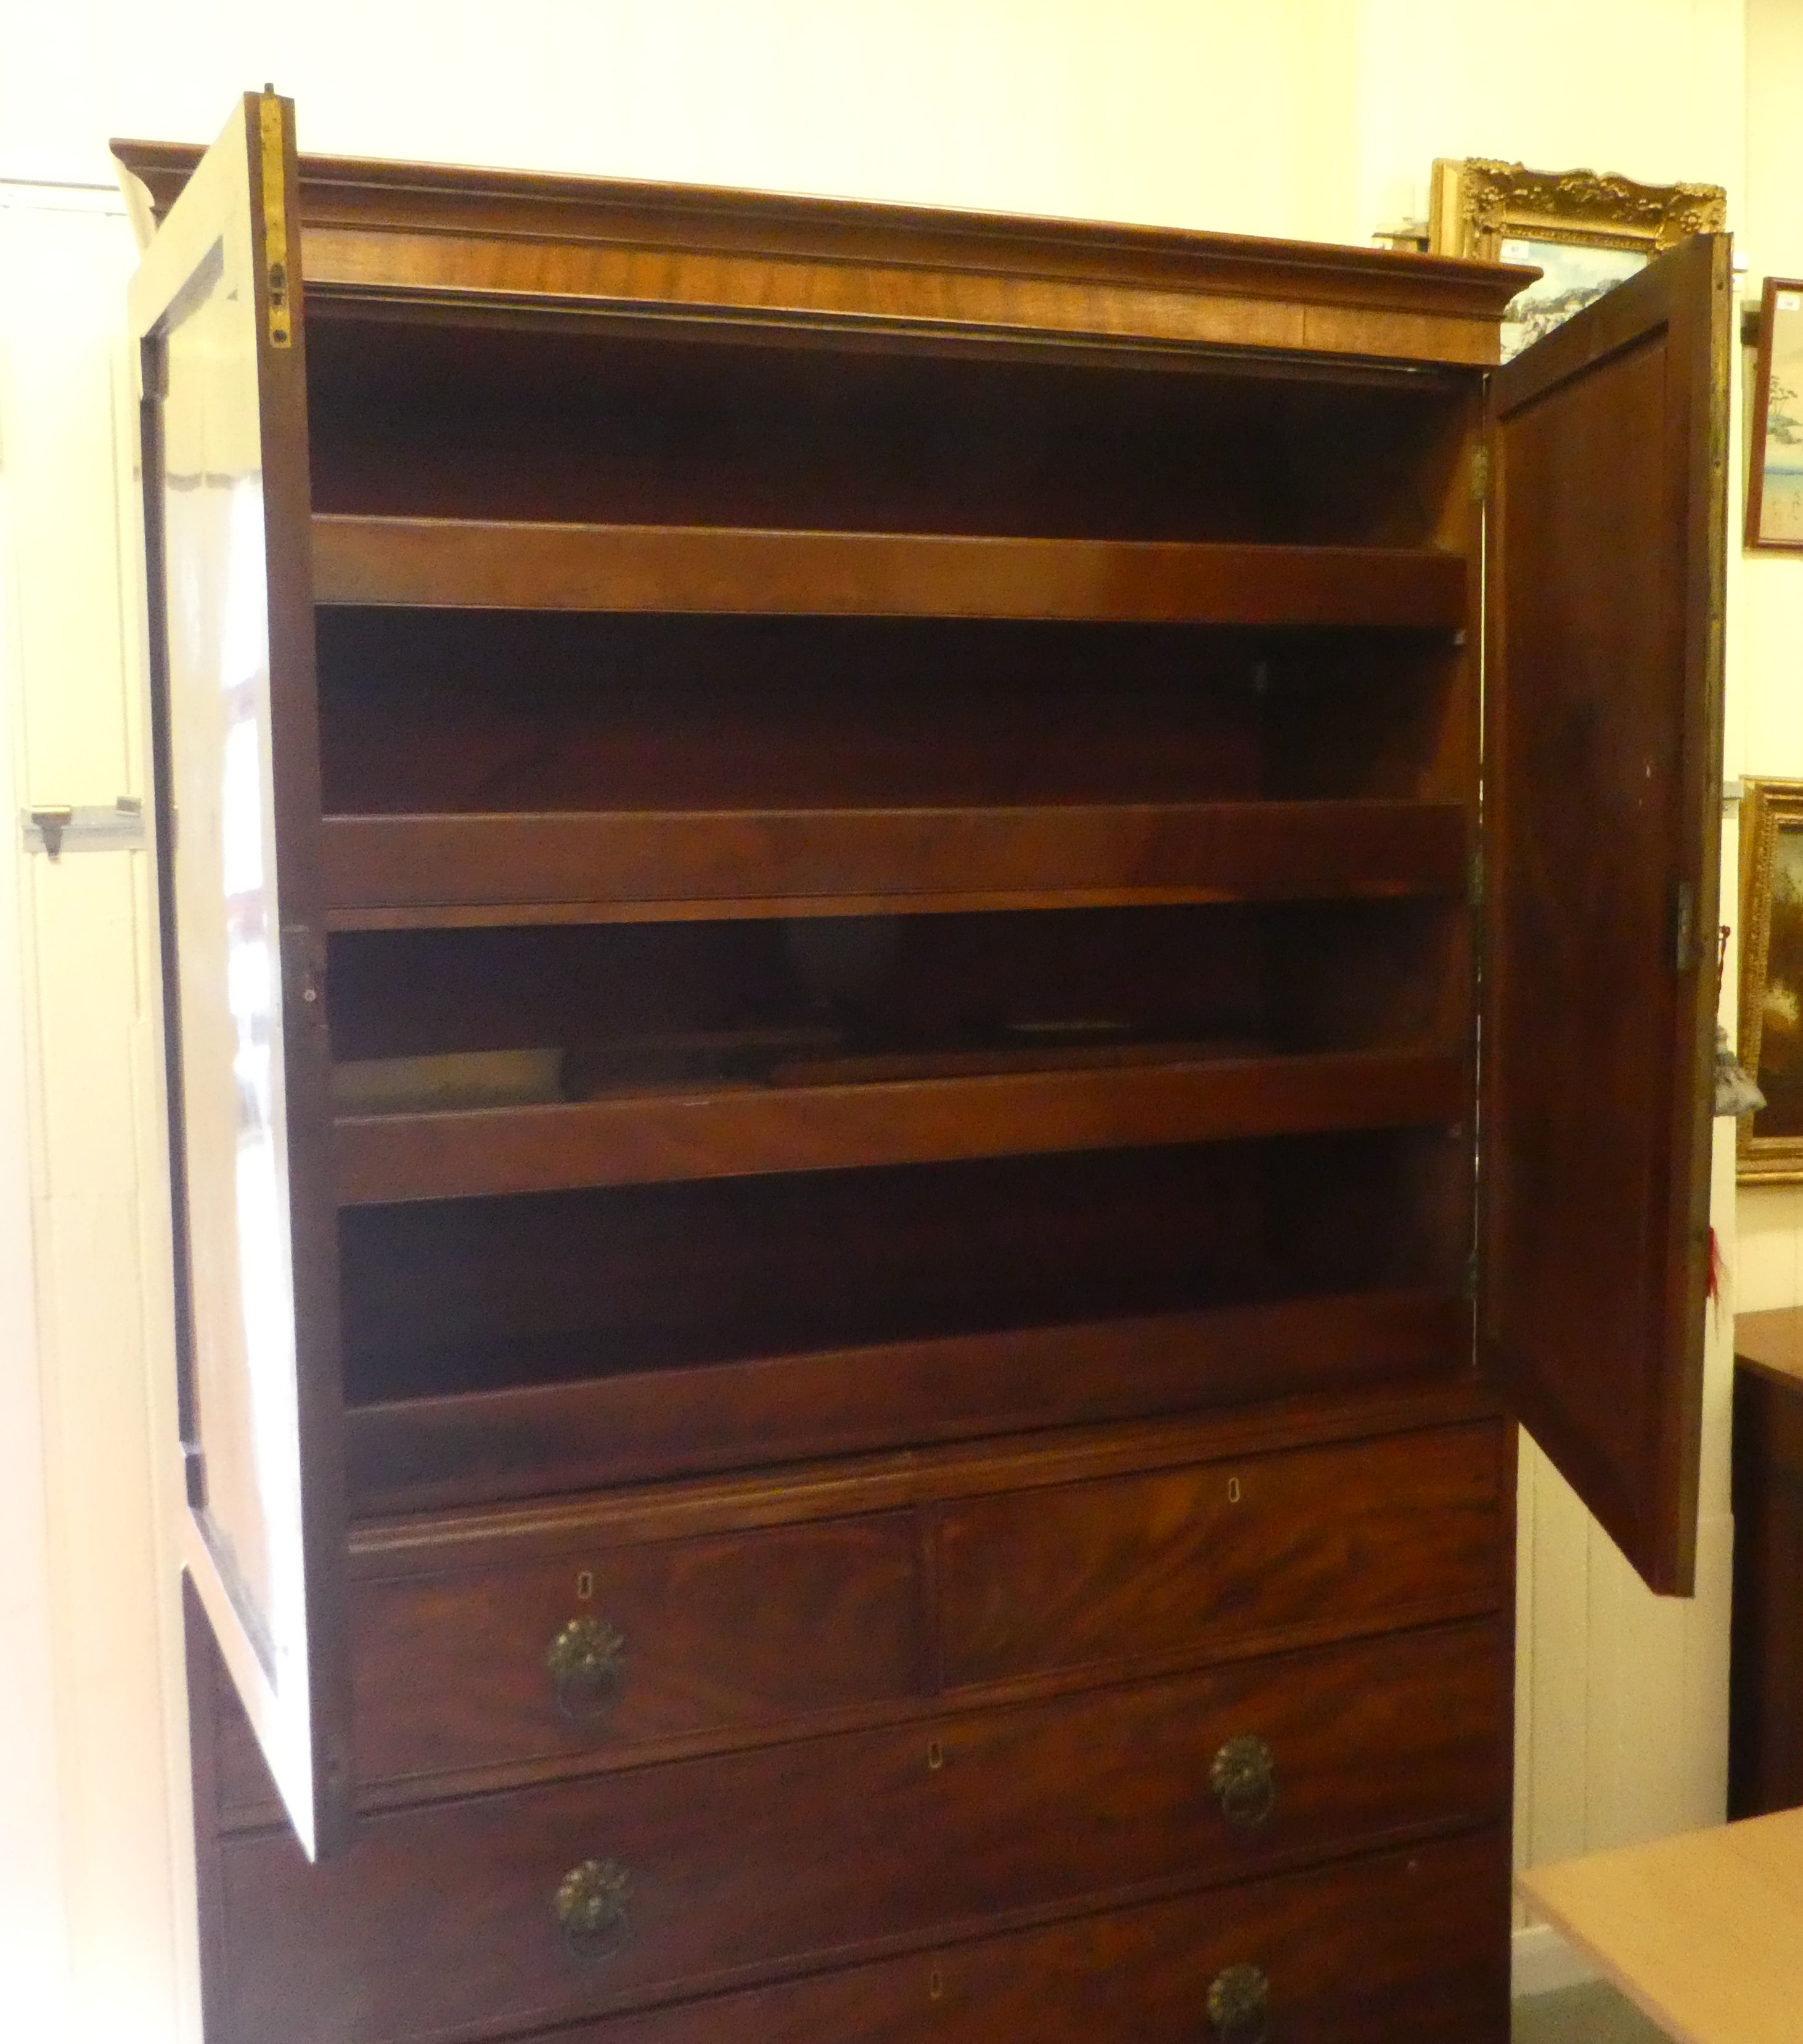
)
(588, 1665)
(593, 1909)
(936, 1756)
(1238, 2005)
(1243, 1778)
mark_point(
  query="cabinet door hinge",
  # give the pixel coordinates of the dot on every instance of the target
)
(1684, 927)
(303, 980)
(1480, 480)
(1474, 877)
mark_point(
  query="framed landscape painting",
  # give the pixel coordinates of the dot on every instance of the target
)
(1770, 1144)
(1586, 231)
(1774, 465)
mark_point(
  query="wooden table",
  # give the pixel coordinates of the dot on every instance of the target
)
(1703, 1931)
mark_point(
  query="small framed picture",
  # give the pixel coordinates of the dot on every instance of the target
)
(1771, 1143)
(1586, 231)
(1774, 463)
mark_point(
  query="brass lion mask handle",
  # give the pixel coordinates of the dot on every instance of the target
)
(1240, 2005)
(593, 1907)
(1243, 1778)
(588, 1665)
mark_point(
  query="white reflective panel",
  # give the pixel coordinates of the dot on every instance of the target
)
(240, 1245)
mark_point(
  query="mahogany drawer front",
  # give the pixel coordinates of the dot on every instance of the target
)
(1407, 1946)
(680, 1637)
(445, 1915)
(1405, 1529)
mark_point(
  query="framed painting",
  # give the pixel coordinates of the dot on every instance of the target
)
(1586, 231)
(1774, 461)
(1770, 1144)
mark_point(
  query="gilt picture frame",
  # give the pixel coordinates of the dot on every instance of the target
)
(1774, 455)
(1586, 231)
(1770, 1144)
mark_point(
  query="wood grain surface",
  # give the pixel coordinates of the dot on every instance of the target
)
(391, 870)
(443, 1916)
(1704, 1931)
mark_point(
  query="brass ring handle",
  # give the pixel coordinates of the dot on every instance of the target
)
(1240, 2005)
(587, 1663)
(1243, 1778)
(593, 1909)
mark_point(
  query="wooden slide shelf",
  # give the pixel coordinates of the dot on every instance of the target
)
(401, 871)
(471, 1446)
(645, 1138)
(496, 564)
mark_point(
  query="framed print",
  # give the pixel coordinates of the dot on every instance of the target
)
(1586, 231)
(1774, 461)
(1771, 1144)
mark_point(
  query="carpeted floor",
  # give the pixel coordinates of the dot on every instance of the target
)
(1593, 2014)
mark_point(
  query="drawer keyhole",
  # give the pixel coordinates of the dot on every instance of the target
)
(936, 1756)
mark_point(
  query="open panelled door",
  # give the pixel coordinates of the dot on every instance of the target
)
(1602, 824)
(216, 306)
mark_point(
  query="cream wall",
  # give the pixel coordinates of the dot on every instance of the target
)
(1309, 117)
(1770, 735)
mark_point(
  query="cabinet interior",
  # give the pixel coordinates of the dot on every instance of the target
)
(447, 1297)
(592, 419)
(427, 711)
(940, 856)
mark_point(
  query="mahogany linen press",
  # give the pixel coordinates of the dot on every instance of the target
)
(916, 966)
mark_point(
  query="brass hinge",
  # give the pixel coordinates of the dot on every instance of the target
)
(1480, 480)
(275, 219)
(1684, 927)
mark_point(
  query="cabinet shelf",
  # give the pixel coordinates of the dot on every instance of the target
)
(651, 1138)
(397, 872)
(470, 1444)
(474, 563)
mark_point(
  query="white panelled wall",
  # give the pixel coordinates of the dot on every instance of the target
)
(1307, 117)
(96, 1911)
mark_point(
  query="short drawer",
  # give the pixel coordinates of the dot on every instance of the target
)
(1405, 1529)
(1411, 1945)
(706, 1873)
(630, 1645)
(543, 1659)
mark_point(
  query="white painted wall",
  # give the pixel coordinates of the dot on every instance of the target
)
(1306, 117)
(1771, 737)
(96, 1884)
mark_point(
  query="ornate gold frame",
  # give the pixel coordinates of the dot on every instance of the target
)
(1476, 204)
(1766, 808)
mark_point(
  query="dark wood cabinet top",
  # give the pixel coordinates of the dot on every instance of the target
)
(374, 227)
(1771, 1344)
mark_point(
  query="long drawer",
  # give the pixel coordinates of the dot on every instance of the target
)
(688, 1875)
(490, 1654)
(1403, 1946)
